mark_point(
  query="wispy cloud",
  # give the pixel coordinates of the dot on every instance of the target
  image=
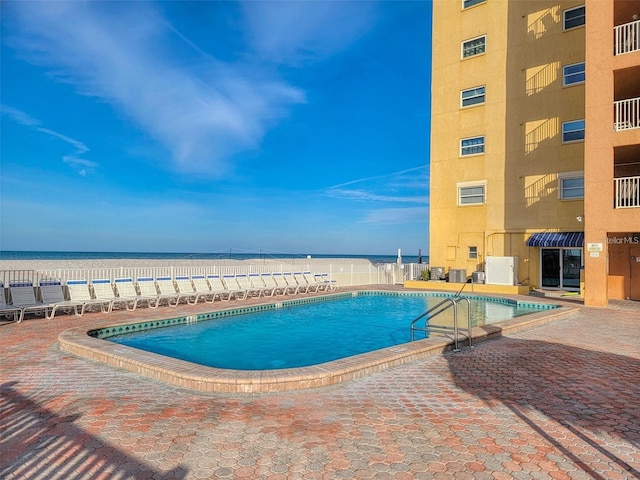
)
(402, 188)
(19, 116)
(413, 173)
(295, 32)
(372, 196)
(80, 165)
(203, 113)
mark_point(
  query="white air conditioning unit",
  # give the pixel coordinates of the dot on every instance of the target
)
(477, 277)
(437, 273)
(457, 275)
(501, 271)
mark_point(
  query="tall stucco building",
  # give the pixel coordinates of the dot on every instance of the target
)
(535, 143)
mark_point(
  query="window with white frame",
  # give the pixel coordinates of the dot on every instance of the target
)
(573, 74)
(473, 252)
(471, 3)
(472, 96)
(474, 46)
(571, 185)
(472, 146)
(573, 131)
(573, 17)
(471, 193)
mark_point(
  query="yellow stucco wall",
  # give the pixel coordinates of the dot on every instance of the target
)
(521, 120)
(469, 288)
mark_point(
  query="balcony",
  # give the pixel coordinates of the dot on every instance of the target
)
(627, 192)
(627, 38)
(627, 114)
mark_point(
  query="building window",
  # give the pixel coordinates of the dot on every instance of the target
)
(472, 96)
(471, 3)
(574, 17)
(473, 47)
(473, 252)
(472, 146)
(571, 186)
(573, 131)
(573, 74)
(471, 194)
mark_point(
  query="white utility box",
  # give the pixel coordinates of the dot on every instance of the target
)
(501, 271)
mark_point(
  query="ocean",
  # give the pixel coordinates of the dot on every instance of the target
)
(31, 255)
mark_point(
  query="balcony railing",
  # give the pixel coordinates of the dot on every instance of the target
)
(627, 114)
(627, 37)
(627, 192)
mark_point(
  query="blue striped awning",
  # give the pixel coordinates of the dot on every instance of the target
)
(556, 239)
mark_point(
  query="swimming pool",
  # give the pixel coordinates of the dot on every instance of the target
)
(293, 335)
(91, 342)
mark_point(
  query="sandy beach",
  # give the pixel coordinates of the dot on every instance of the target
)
(39, 265)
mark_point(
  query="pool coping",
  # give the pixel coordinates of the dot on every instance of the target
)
(199, 378)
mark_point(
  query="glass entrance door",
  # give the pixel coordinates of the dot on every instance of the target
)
(571, 263)
(561, 267)
(550, 267)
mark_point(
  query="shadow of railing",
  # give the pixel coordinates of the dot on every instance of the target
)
(543, 78)
(543, 22)
(38, 443)
(542, 132)
(541, 189)
(591, 394)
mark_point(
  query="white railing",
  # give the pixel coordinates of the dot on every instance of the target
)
(627, 114)
(413, 271)
(344, 274)
(627, 192)
(627, 37)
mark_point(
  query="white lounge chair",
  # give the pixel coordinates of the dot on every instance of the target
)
(147, 287)
(52, 293)
(7, 310)
(167, 289)
(314, 284)
(23, 297)
(303, 285)
(328, 283)
(257, 281)
(245, 284)
(271, 285)
(220, 289)
(186, 289)
(282, 283)
(103, 290)
(293, 284)
(319, 280)
(201, 287)
(232, 285)
(128, 294)
(80, 293)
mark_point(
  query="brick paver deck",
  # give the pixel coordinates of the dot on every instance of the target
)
(557, 401)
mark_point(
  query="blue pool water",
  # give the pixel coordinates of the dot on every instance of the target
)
(304, 335)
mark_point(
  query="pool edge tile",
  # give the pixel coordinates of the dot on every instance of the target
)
(81, 342)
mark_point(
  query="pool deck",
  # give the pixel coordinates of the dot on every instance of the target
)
(557, 398)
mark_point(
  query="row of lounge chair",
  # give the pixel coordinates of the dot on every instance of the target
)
(125, 293)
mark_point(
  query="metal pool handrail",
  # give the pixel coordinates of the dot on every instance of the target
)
(437, 310)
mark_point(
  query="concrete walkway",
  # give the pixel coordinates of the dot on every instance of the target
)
(558, 401)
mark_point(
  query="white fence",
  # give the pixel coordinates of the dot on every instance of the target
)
(343, 274)
(627, 37)
(627, 114)
(627, 192)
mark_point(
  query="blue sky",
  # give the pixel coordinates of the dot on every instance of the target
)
(293, 127)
